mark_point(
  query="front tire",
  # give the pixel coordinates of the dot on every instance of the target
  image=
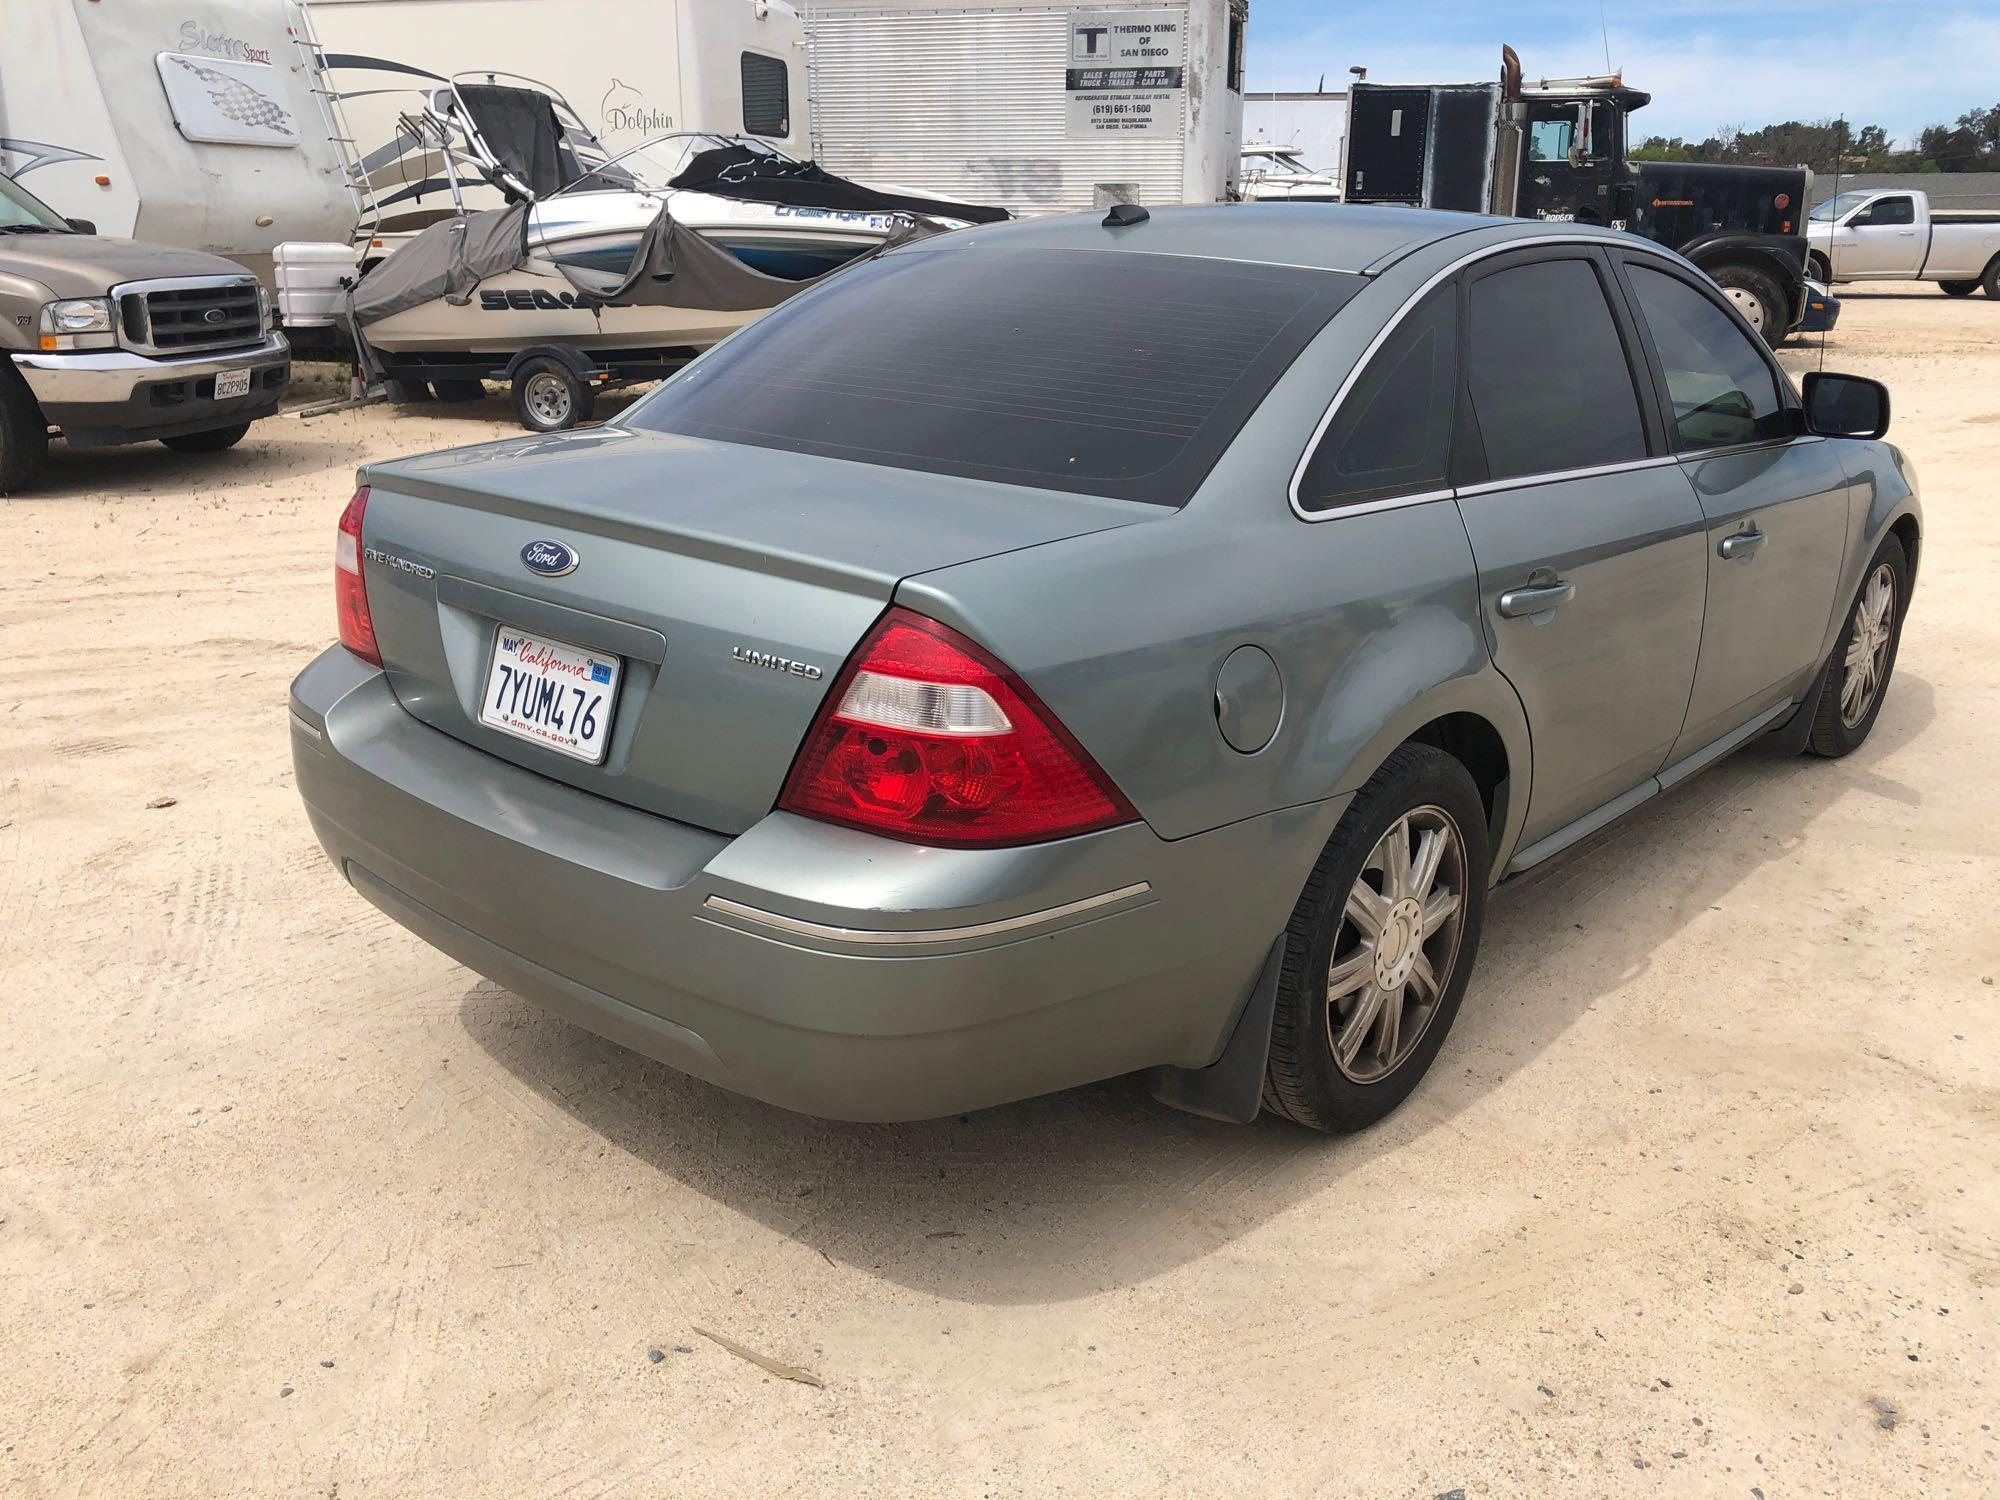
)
(1758, 297)
(1856, 678)
(1991, 280)
(212, 441)
(24, 435)
(1380, 945)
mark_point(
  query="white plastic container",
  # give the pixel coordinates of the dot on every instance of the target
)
(309, 275)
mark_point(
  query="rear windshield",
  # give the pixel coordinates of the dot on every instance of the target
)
(1101, 372)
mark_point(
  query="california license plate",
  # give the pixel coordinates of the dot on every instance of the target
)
(232, 383)
(555, 694)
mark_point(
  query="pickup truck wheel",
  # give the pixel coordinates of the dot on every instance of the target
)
(1380, 945)
(1856, 678)
(212, 441)
(24, 436)
(1758, 297)
(1991, 280)
(549, 398)
(1958, 288)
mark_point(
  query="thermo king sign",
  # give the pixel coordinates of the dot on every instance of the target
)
(1126, 72)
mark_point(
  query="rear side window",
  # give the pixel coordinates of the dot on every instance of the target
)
(1898, 210)
(1100, 372)
(1551, 387)
(1392, 434)
(767, 98)
(1721, 389)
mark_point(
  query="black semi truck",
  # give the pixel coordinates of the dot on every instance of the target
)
(1555, 149)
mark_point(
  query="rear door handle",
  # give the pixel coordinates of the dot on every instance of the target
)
(1536, 598)
(1741, 546)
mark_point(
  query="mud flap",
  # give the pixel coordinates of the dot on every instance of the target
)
(1232, 1087)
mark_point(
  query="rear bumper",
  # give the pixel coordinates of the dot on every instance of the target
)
(120, 397)
(817, 968)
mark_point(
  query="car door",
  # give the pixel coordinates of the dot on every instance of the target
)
(1879, 239)
(1775, 501)
(1588, 540)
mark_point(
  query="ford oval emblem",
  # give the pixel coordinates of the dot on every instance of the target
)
(550, 559)
(215, 315)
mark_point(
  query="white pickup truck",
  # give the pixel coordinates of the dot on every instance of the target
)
(1892, 234)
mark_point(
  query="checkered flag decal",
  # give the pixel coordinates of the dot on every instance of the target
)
(237, 101)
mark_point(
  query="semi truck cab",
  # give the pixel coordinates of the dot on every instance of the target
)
(1556, 150)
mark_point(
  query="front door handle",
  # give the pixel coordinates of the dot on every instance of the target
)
(1536, 598)
(1741, 546)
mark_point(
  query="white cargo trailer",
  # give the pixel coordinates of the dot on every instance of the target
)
(187, 122)
(1037, 108)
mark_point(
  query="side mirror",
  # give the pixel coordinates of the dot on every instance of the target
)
(1847, 406)
(82, 226)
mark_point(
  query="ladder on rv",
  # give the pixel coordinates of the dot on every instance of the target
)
(333, 117)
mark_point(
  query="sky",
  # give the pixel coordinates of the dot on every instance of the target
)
(1900, 64)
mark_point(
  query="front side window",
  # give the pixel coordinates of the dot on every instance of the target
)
(1897, 210)
(1833, 208)
(21, 209)
(1550, 140)
(1721, 389)
(767, 99)
(1551, 387)
(1113, 373)
(1392, 434)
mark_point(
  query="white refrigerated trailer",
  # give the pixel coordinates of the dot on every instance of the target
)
(1037, 108)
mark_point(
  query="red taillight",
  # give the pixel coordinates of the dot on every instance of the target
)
(350, 592)
(926, 737)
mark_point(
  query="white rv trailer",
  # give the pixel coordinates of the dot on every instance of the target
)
(187, 122)
(1037, 108)
(633, 69)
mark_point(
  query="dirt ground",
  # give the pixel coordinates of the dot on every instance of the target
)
(1702, 1198)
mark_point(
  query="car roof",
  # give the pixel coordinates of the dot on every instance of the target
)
(1360, 238)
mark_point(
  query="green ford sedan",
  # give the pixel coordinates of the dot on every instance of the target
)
(1096, 645)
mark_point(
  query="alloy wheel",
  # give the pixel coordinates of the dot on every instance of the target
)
(1868, 643)
(1397, 945)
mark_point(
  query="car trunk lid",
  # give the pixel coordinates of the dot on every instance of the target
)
(731, 582)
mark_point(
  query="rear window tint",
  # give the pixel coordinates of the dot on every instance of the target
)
(1100, 372)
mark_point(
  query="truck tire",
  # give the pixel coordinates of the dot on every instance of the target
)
(1818, 269)
(1991, 280)
(212, 441)
(1958, 288)
(1758, 297)
(24, 436)
(548, 397)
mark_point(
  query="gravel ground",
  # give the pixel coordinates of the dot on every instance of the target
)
(1701, 1197)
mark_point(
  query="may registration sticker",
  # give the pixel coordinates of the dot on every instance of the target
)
(552, 693)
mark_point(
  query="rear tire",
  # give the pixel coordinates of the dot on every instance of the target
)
(548, 397)
(24, 435)
(1851, 691)
(212, 441)
(1758, 297)
(1958, 288)
(1378, 951)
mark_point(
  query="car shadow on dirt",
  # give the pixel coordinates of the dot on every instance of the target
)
(1077, 1193)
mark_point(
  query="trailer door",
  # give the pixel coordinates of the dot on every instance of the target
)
(1387, 132)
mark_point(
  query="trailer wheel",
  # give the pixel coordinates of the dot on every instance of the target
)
(549, 398)
(1958, 288)
(24, 435)
(407, 392)
(1757, 296)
